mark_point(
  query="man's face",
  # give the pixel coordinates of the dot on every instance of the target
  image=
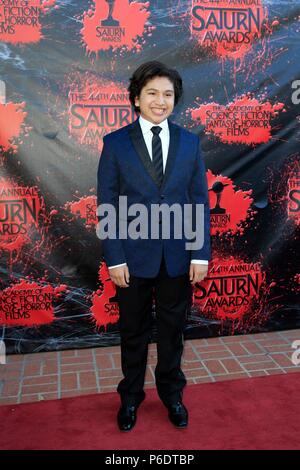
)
(156, 100)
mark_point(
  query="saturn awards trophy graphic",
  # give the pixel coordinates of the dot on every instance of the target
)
(110, 21)
(218, 188)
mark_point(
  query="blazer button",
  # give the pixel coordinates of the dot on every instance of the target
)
(162, 196)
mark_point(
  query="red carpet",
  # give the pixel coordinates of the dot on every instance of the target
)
(258, 413)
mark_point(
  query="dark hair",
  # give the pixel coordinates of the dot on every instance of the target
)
(147, 72)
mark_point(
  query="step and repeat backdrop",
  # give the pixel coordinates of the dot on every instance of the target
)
(64, 71)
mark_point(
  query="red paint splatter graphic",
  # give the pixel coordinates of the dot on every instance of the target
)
(294, 198)
(296, 287)
(28, 304)
(85, 208)
(244, 121)
(20, 20)
(227, 27)
(228, 207)
(96, 109)
(20, 207)
(230, 289)
(114, 24)
(105, 309)
(278, 192)
(12, 116)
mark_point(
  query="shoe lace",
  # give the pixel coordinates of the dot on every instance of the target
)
(177, 407)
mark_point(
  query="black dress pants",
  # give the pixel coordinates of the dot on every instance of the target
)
(172, 298)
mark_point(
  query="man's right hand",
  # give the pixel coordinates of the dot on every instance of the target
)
(120, 276)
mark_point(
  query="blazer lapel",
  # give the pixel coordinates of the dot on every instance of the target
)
(139, 144)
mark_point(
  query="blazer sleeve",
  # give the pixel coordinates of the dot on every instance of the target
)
(199, 195)
(108, 193)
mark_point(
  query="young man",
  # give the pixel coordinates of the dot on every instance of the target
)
(153, 162)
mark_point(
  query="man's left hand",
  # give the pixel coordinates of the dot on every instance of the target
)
(197, 272)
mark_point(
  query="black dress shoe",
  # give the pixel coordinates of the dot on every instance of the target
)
(127, 417)
(178, 415)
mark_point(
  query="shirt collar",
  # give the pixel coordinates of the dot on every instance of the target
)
(147, 125)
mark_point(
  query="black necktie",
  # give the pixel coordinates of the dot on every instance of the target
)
(157, 157)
